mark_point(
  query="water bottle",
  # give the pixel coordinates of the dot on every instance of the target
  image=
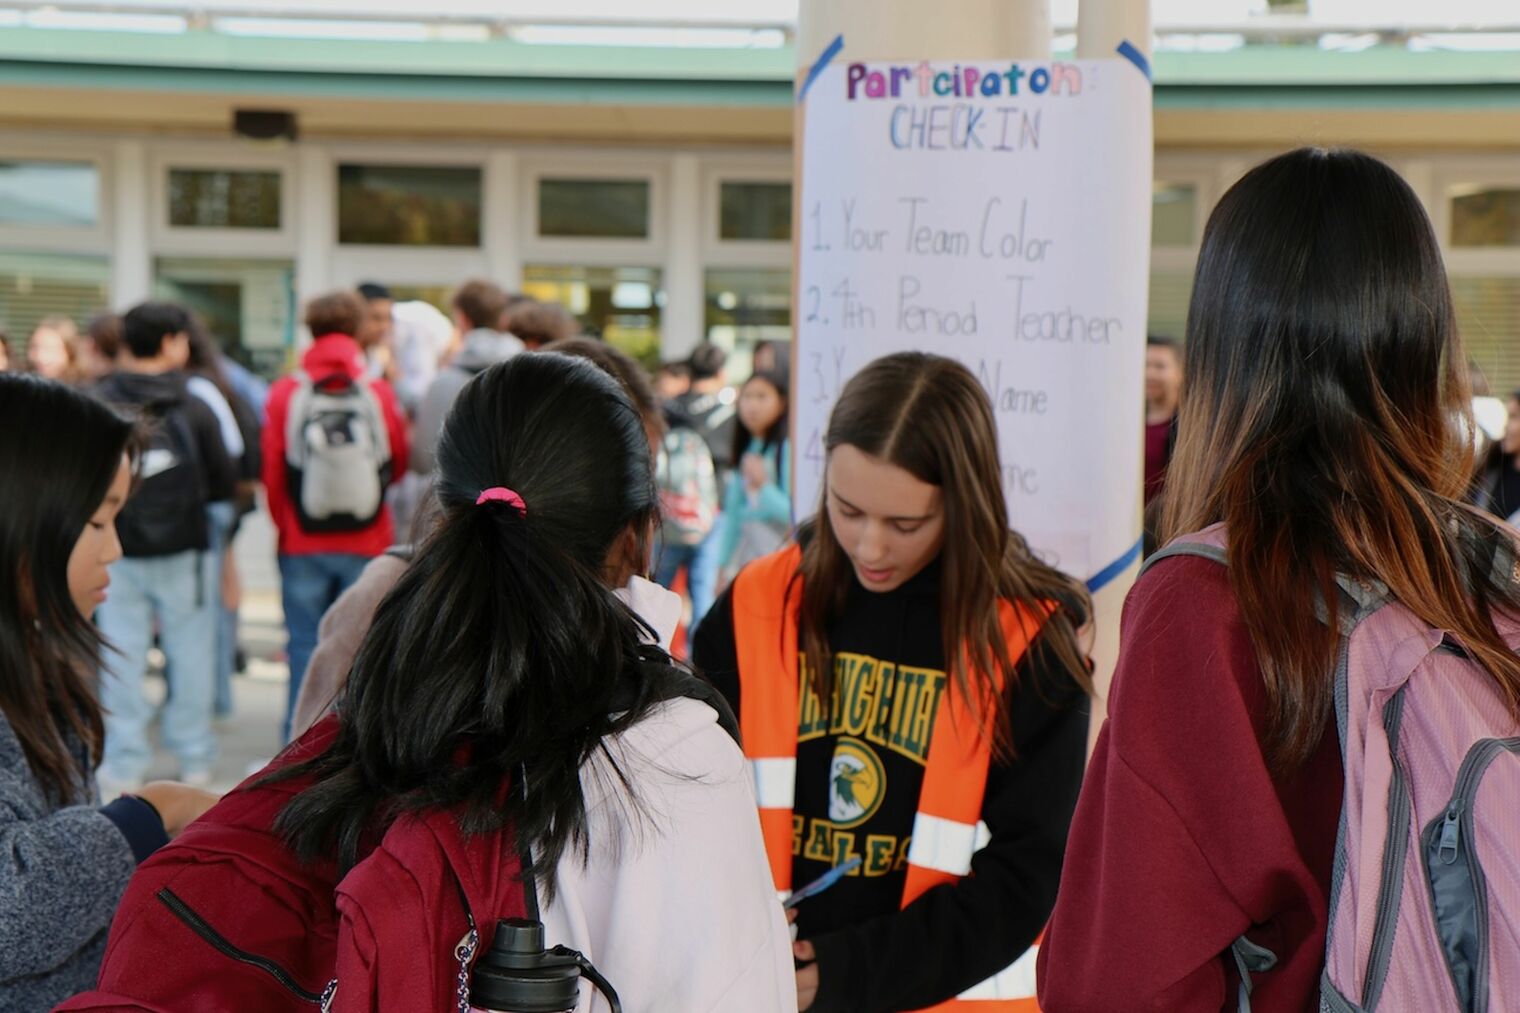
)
(517, 975)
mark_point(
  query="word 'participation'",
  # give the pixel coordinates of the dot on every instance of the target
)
(928, 79)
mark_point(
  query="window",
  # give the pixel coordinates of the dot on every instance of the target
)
(1485, 216)
(744, 308)
(409, 205)
(49, 194)
(247, 305)
(1173, 206)
(440, 297)
(1170, 292)
(593, 208)
(37, 285)
(755, 212)
(621, 305)
(1488, 318)
(224, 199)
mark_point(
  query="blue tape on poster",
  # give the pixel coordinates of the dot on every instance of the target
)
(1106, 576)
(1129, 52)
(823, 61)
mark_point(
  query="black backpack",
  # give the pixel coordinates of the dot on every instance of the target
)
(167, 511)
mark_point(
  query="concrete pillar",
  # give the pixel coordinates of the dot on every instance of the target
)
(1101, 26)
(949, 29)
(131, 257)
(316, 225)
(683, 325)
(500, 228)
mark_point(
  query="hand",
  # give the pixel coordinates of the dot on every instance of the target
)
(752, 467)
(179, 805)
(807, 977)
(232, 585)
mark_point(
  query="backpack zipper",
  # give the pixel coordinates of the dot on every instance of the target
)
(464, 952)
(1459, 818)
(1395, 845)
(200, 927)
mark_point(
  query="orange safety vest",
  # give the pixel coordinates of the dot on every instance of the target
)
(947, 829)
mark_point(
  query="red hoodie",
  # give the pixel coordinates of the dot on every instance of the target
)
(1183, 840)
(328, 355)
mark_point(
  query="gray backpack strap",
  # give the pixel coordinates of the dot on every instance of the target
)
(1203, 549)
(1249, 959)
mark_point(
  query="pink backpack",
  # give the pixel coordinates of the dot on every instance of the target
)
(1425, 898)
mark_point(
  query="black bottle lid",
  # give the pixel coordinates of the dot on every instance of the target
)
(516, 975)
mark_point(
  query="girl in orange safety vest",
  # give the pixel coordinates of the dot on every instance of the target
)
(912, 692)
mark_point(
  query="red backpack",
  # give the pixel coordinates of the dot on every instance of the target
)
(227, 918)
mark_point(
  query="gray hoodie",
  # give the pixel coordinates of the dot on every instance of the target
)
(63, 870)
(482, 348)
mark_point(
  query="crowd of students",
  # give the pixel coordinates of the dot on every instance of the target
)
(891, 699)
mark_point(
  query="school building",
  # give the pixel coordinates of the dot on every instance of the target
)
(648, 187)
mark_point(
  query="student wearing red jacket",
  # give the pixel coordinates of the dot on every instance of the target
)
(1323, 377)
(320, 558)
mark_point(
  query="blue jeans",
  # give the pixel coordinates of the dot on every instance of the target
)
(701, 564)
(172, 590)
(220, 518)
(308, 587)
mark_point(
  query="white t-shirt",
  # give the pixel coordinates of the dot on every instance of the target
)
(206, 391)
(676, 907)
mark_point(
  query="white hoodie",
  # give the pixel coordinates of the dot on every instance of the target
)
(675, 907)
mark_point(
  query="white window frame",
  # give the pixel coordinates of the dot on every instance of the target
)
(443, 266)
(592, 166)
(179, 241)
(462, 157)
(1498, 171)
(94, 240)
(719, 253)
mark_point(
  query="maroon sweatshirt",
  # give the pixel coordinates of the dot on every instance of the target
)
(1183, 840)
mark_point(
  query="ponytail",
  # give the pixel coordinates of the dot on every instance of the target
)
(500, 649)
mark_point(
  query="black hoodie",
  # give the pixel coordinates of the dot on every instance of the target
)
(872, 956)
(163, 402)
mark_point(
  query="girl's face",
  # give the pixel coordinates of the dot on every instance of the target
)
(98, 547)
(760, 407)
(888, 522)
(1511, 443)
(47, 354)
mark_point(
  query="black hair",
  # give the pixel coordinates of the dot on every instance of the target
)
(707, 361)
(1163, 341)
(206, 358)
(146, 325)
(372, 290)
(773, 437)
(60, 450)
(503, 624)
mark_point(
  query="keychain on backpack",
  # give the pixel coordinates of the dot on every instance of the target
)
(517, 975)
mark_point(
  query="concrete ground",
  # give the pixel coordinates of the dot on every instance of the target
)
(250, 737)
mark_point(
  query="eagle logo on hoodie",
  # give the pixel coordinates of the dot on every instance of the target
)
(857, 783)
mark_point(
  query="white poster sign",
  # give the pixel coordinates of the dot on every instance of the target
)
(998, 213)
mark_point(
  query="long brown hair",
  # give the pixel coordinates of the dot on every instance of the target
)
(1324, 421)
(59, 452)
(927, 415)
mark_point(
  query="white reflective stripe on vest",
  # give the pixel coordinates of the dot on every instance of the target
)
(1016, 981)
(945, 845)
(775, 782)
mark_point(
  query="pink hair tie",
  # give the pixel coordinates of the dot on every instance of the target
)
(501, 494)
